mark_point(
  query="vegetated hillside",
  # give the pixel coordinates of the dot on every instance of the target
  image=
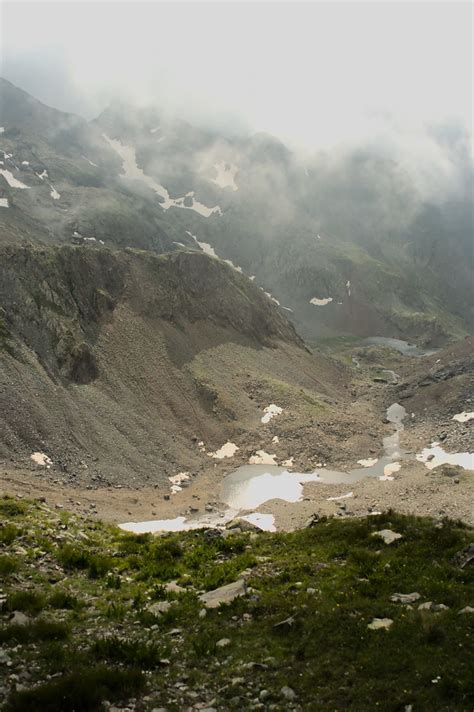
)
(329, 617)
(352, 230)
(117, 363)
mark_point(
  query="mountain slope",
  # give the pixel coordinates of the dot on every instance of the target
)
(124, 361)
(346, 244)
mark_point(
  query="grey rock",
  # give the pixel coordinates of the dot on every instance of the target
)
(387, 535)
(405, 597)
(19, 618)
(288, 693)
(380, 624)
(430, 606)
(160, 607)
(224, 594)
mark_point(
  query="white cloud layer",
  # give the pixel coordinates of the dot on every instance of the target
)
(312, 73)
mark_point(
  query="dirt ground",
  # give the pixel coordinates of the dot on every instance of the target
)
(415, 489)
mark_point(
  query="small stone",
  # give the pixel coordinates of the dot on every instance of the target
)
(430, 606)
(264, 694)
(405, 597)
(19, 618)
(387, 535)
(425, 606)
(223, 643)
(224, 594)
(173, 587)
(160, 607)
(5, 658)
(288, 693)
(380, 624)
(202, 613)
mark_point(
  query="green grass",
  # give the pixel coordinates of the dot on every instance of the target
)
(143, 653)
(328, 655)
(34, 632)
(81, 691)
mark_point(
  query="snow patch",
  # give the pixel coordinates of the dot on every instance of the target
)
(11, 180)
(368, 462)
(4, 203)
(177, 480)
(262, 458)
(320, 302)
(209, 250)
(227, 450)
(226, 173)
(271, 297)
(55, 195)
(270, 412)
(41, 459)
(342, 496)
(91, 163)
(131, 171)
(463, 417)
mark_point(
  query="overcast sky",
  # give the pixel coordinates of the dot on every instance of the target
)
(312, 73)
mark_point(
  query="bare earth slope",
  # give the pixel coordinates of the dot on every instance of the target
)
(116, 365)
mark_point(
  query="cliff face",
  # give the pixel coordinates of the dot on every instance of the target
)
(97, 349)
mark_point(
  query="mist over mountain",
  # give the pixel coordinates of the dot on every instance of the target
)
(332, 226)
(236, 356)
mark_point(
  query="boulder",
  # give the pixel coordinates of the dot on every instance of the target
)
(387, 535)
(405, 597)
(19, 618)
(224, 594)
(380, 624)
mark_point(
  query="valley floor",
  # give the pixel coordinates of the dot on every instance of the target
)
(360, 428)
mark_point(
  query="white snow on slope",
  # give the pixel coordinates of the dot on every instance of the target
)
(11, 180)
(227, 450)
(369, 462)
(270, 296)
(226, 173)
(90, 162)
(320, 302)
(132, 172)
(42, 175)
(262, 458)
(54, 193)
(463, 417)
(270, 412)
(4, 203)
(2, 129)
(209, 250)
